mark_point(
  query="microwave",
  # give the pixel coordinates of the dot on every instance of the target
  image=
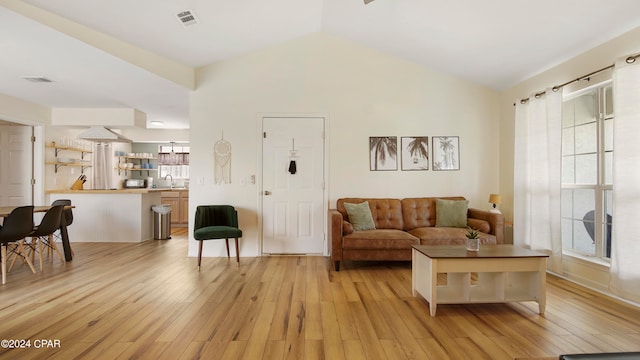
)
(134, 183)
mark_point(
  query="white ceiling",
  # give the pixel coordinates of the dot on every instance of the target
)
(496, 43)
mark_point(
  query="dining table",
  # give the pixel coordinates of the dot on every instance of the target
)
(64, 235)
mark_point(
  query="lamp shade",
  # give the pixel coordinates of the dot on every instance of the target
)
(495, 198)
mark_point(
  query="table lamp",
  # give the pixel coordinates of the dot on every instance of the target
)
(495, 199)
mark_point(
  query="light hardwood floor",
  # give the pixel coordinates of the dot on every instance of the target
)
(148, 301)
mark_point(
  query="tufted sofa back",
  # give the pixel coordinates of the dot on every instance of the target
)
(386, 213)
(421, 212)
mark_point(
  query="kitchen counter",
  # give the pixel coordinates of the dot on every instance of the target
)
(123, 215)
(116, 191)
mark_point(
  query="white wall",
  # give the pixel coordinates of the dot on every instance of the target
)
(594, 59)
(23, 112)
(363, 93)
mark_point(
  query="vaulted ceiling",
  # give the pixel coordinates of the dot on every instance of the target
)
(495, 43)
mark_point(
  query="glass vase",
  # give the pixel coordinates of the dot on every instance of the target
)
(473, 244)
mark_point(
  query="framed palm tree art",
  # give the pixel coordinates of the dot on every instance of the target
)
(383, 153)
(446, 152)
(415, 153)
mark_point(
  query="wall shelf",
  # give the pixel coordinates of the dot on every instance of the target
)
(136, 159)
(82, 163)
(58, 148)
(60, 164)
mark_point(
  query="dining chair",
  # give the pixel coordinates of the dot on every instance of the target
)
(216, 222)
(67, 214)
(16, 226)
(42, 235)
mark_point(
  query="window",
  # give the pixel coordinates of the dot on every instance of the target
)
(173, 160)
(587, 154)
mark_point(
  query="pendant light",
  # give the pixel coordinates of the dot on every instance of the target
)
(172, 155)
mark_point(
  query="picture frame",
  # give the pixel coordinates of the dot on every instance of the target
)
(414, 153)
(383, 153)
(445, 153)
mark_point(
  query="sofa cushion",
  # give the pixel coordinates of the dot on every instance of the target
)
(420, 212)
(360, 216)
(379, 239)
(347, 228)
(386, 213)
(447, 236)
(480, 225)
(451, 213)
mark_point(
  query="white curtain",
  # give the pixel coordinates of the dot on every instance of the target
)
(625, 250)
(102, 166)
(537, 176)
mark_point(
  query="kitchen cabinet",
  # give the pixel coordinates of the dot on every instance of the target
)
(184, 208)
(179, 201)
(174, 202)
(59, 161)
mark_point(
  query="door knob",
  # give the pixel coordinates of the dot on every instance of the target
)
(267, 192)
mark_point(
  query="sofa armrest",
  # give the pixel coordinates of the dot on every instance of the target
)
(335, 234)
(495, 220)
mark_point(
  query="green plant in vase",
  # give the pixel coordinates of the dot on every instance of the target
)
(473, 233)
(473, 239)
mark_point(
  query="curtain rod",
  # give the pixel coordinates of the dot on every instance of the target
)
(629, 60)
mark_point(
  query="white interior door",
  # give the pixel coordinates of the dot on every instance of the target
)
(293, 203)
(15, 165)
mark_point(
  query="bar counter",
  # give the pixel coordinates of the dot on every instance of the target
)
(114, 191)
(122, 215)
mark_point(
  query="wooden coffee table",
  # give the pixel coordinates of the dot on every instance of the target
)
(505, 274)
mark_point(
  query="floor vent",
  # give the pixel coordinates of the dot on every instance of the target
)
(187, 18)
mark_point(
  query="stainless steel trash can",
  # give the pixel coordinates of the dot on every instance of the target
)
(161, 222)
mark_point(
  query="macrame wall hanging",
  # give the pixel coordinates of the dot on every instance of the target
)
(222, 161)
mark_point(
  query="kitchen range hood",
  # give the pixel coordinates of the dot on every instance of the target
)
(102, 134)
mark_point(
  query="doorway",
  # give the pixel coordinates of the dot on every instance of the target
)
(293, 185)
(16, 165)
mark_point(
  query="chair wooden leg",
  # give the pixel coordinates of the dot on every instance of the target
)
(33, 269)
(52, 245)
(227, 242)
(15, 256)
(200, 254)
(21, 252)
(26, 258)
(237, 253)
(32, 246)
(39, 241)
(4, 262)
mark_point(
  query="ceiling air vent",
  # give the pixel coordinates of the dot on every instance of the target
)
(187, 18)
(37, 79)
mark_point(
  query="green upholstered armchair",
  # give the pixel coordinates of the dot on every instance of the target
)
(216, 222)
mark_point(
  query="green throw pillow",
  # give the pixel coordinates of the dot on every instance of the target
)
(360, 216)
(451, 213)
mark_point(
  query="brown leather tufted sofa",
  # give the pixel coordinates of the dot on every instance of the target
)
(401, 223)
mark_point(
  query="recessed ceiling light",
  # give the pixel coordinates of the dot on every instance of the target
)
(157, 123)
(37, 79)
